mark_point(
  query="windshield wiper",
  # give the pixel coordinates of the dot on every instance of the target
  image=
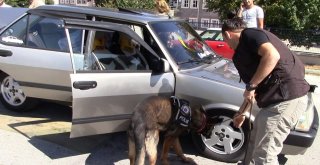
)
(208, 59)
(190, 61)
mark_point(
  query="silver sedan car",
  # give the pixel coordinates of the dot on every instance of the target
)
(103, 62)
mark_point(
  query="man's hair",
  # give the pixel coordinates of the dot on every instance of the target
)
(234, 24)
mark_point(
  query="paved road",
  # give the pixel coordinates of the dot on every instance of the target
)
(42, 137)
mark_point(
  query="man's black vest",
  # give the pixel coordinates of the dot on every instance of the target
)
(285, 82)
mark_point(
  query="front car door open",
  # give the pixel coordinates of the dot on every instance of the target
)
(113, 74)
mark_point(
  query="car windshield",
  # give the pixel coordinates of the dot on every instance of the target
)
(183, 43)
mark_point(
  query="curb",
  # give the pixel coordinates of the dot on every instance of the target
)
(312, 71)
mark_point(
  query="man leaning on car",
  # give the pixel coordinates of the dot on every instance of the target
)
(274, 77)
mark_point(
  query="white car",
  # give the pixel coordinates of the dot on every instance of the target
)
(104, 62)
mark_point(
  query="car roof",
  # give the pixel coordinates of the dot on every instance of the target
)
(82, 12)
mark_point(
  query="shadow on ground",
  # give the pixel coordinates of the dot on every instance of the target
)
(101, 149)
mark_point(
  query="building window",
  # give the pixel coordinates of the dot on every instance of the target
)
(185, 4)
(215, 23)
(205, 23)
(204, 4)
(194, 4)
(61, 2)
(73, 2)
(193, 22)
(173, 3)
(66, 2)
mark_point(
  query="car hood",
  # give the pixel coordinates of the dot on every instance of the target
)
(222, 71)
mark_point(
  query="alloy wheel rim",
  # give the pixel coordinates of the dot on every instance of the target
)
(225, 138)
(12, 92)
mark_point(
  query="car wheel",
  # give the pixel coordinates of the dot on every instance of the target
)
(226, 143)
(13, 97)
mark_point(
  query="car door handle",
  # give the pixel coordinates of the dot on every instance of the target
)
(220, 45)
(84, 85)
(5, 53)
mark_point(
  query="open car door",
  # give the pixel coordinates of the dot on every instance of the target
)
(115, 71)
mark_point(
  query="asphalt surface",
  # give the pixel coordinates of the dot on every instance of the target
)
(42, 137)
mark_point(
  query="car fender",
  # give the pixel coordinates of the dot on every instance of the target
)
(226, 107)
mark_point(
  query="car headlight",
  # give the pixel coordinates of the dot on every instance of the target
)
(305, 121)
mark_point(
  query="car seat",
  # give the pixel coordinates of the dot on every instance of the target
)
(34, 38)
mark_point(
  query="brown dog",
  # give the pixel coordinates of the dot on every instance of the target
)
(156, 114)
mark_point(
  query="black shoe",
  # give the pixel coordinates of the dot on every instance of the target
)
(282, 159)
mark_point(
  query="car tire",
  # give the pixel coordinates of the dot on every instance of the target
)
(223, 136)
(13, 97)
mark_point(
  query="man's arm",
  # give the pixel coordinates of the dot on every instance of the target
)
(260, 17)
(269, 59)
(260, 23)
(239, 14)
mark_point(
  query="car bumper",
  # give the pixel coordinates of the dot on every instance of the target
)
(298, 142)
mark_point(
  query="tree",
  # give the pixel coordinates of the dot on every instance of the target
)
(301, 16)
(134, 4)
(18, 3)
(24, 3)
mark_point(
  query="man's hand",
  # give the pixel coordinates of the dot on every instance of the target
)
(238, 120)
(239, 14)
(245, 108)
(241, 6)
(249, 96)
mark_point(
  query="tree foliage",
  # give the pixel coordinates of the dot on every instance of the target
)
(18, 3)
(134, 4)
(293, 14)
(24, 3)
(300, 16)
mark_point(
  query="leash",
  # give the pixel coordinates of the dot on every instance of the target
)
(249, 103)
(247, 107)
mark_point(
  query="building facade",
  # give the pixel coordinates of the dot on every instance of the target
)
(77, 2)
(195, 11)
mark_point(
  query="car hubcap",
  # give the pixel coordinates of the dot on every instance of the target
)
(225, 138)
(11, 92)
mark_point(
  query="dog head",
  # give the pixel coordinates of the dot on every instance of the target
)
(202, 123)
(198, 119)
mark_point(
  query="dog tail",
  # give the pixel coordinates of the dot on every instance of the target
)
(140, 135)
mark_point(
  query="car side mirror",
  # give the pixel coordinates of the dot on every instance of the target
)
(166, 65)
(160, 65)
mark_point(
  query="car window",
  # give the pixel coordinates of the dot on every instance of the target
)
(213, 35)
(113, 50)
(209, 34)
(218, 37)
(45, 33)
(16, 33)
(76, 39)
